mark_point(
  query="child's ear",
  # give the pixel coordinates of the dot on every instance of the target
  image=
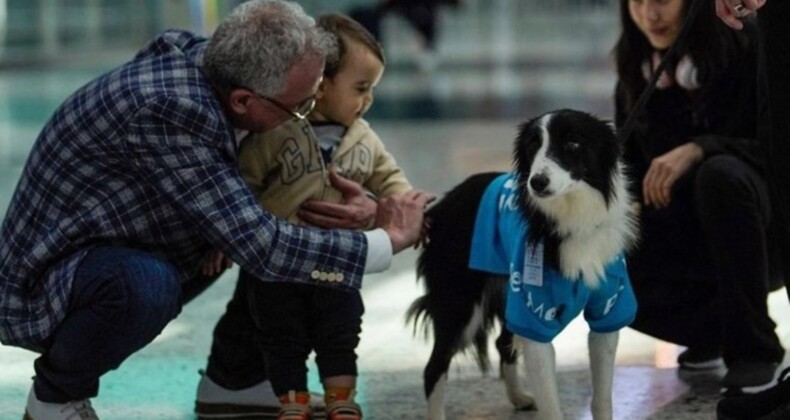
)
(321, 88)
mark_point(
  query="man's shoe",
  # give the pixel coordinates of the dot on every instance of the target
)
(73, 410)
(749, 374)
(700, 359)
(214, 402)
(770, 404)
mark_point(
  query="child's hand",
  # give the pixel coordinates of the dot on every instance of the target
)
(215, 263)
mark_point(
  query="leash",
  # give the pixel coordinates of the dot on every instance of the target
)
(639, 106)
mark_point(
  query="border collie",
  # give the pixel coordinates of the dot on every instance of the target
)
(531, 249)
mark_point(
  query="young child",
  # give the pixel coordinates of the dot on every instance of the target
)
(288, 165)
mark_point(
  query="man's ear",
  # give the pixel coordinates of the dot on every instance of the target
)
(239, 100)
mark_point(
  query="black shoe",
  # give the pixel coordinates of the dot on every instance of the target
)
(749, 374)
(700, 359)
(770, 404)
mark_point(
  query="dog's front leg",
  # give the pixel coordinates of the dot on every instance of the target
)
(602, 352)
(542, 373)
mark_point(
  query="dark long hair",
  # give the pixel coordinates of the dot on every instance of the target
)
(710, 43)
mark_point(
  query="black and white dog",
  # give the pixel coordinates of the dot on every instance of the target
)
(568, 187)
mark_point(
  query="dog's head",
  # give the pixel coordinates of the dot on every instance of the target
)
(565, 151)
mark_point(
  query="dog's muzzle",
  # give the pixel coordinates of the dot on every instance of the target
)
(539, 184)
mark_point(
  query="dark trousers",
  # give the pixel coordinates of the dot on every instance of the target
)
(701, 273)
(270, 328)
(121, 300)
(774, 115)
(295, 319)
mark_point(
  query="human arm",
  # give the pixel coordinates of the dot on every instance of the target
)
(665, 169)
(357, 211)
(399, 215)
(184, 150)
(215, 262)
(675, 133)
(726, 10)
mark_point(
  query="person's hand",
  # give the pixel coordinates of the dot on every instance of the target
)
(215, 263)
(402, 217)
(357, 211)
(665, 170)
(732, 11)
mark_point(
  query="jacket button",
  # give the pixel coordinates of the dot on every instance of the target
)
(314, 274)
(322, 276)
(340, 277)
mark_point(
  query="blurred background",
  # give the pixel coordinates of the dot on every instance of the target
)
(444, 109)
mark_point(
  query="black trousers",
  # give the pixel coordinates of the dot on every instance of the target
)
(270, 328)
(774, 115)
(701, 272)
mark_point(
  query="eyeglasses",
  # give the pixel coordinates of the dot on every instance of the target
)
(299, 112)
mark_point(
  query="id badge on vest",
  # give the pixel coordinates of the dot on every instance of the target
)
(533, 265)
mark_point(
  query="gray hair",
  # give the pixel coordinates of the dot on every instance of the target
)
(256, 44)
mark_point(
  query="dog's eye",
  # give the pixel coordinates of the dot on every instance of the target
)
(572, 146)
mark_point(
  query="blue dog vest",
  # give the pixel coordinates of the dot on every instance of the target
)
(541, 302)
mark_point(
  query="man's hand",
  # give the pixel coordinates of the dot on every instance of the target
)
(732, 11)
(357, 211)
(665, 170)
(402, 217)
(215, 262)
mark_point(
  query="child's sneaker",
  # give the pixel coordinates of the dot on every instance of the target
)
(340, 405)
(214, 402)
(73, 410)
(295, 406)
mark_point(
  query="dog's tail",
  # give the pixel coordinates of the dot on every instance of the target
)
(455, 309)
(418, 315)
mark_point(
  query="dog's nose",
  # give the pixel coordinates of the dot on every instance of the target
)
(539, 182)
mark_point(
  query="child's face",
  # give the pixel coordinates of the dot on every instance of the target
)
(348, 95)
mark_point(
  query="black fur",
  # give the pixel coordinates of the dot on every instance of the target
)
(453, 290)
(567, 126)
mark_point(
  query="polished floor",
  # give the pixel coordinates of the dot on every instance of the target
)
(443, 116)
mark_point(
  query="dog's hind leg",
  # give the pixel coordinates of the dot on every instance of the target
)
(602, 353)
(508, 369)
(539, 361)
(435, 376)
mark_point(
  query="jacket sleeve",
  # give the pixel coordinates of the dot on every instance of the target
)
(387, 177)
(179, 150)
(746, 149)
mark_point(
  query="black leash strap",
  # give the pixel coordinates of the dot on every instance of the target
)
(625, 131)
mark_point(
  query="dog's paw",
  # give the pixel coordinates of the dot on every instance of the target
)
(522, 401)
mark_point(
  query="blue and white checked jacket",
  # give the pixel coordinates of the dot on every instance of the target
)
(144, 157)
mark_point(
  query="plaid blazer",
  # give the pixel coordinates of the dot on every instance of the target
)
(143, 157)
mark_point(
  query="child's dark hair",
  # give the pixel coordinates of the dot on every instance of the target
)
(342, 26)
